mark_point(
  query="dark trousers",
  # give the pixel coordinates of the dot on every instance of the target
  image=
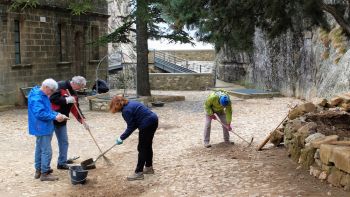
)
(145, 147)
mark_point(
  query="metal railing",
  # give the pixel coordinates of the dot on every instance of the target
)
(170, 58)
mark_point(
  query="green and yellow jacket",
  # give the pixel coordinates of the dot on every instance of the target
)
(212, 105)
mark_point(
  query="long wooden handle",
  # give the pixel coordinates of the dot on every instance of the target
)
(269, 136)
(102, 154)
(83, 121)
(218, 119)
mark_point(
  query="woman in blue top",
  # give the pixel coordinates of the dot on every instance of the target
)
(137, 116)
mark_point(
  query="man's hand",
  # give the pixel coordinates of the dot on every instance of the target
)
(228, 126)
(213, 117)
(61, 117)
(87, 127)
(119, 141)
(70, 99)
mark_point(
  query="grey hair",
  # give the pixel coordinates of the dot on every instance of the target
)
(79, 80)
(50, 83)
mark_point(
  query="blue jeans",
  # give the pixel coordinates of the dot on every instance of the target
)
(43, 153)
(62, 139)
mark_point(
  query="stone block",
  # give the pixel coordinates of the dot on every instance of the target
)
(326, 151)
(345, 106)
(292, 127)
(277, 136)
(341, 158)
(335, 177)
(307, 107)
(335, 101)
(295, 113)
(294, 150)
(318, 162)
(313, 137)
(314, 171)
(345, 180)
(317, 143)
(323, 175)
(326, 168)
(308, 128)
(306, 158)
(345, 97)
(317, 154)
(319, 101)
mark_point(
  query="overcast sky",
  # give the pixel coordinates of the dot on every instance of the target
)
(164, 45)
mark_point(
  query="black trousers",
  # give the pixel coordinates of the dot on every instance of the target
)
(145, 157)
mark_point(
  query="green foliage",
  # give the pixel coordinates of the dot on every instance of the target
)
(20, 5)
(80, 7)
(232, 23)
(155, 16)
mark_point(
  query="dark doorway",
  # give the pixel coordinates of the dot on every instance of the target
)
(79, 54)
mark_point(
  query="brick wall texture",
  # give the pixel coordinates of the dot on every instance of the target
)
(53, 44)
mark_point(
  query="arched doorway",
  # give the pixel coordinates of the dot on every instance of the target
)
(79, 54)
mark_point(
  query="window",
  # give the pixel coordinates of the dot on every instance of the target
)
(95, 54)
(17, 43)
(59, 41)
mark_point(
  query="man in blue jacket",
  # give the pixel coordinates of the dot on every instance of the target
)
(40, 124)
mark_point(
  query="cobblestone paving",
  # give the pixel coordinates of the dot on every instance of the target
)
(183, 166)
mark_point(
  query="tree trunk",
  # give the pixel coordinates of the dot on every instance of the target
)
(142, 73)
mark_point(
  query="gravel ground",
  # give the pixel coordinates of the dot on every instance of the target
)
(183, 166)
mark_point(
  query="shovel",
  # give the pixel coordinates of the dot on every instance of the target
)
(90, 163)
(88, 129)
(218, 119)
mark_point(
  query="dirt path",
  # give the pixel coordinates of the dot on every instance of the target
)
(183, 166)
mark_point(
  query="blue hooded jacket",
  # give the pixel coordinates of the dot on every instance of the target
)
(137, 116)
(40, 114)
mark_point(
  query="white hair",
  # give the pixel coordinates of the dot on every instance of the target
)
(50, 83)
(79, 80)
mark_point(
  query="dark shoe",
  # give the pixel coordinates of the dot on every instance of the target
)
(38, 173)
(229, 143)
(48, 177)
(62, 167)
(207, 145)
(135, 176)
(148, 170)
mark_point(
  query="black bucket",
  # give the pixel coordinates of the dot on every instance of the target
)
(77, 175)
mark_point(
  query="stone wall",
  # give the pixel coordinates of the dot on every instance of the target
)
(41, 47)
(181, 81)
(316, 136)
(303, 64)
(190, 55)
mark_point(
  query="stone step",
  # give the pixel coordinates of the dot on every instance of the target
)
(337, 155)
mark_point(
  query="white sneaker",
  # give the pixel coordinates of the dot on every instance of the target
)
(135, 176)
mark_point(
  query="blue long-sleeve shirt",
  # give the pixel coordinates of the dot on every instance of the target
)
(40, 114)
(137, 116)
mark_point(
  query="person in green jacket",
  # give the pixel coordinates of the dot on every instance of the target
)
(219, 103)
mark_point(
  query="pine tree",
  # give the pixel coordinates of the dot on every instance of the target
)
(232, 23)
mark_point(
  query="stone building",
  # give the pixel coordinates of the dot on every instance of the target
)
(48, 41)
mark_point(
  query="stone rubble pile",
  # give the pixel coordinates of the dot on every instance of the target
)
(317, 136)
